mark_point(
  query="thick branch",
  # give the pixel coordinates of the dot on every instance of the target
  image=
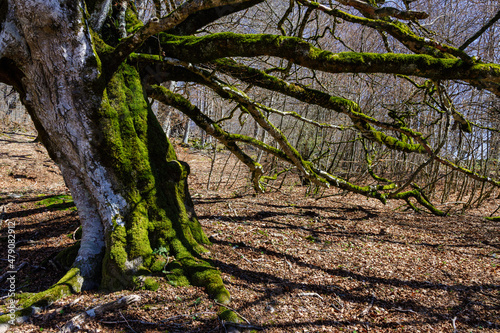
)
(222, 45)
(202, 18)
(172, 20)
(313, 96)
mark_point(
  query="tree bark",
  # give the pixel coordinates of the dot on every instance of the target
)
(130, 190)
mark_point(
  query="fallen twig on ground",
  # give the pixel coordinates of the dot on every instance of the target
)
(310, 294)
(75, 323)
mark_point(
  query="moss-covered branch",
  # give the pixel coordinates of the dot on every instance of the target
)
(222, 45)
(212, 128)
(418, 195)
(398, 30)
(327, 101)
(311, 96)
(157, 25)
(164, 95)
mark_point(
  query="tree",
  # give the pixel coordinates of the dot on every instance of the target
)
(86, 71)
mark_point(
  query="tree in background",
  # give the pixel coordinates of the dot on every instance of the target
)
(86, 71)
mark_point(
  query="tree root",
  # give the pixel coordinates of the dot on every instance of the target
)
(71, 283)
(184, 270)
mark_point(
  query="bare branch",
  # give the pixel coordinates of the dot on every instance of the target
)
(481, 31)
(373, 12)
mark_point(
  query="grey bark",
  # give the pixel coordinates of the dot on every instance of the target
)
(51, 46)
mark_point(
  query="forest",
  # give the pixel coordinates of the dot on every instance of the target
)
(248, 165)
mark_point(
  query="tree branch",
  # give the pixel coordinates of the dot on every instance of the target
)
(325, 100)
(480, 31)
(223, 45)
(351, 109)
(98, 12)
(202, 18)
(373, 12)
(165, 96)
(172, 20)
(398, 30)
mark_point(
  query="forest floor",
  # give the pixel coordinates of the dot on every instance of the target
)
(291, 262)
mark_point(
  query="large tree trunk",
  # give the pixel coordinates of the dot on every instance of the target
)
(126, 181)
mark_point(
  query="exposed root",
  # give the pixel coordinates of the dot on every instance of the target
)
(71, 283)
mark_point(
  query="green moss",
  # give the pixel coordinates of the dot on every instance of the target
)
(58, 202)
(22, 297)
(176, 274)
(228, 315)
(210, 278)
(132, 22)
(227, 44)
(158, 265)
(71, 283)
(151, 284)
(418, 195)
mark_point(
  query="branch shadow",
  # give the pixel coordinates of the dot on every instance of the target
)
(425, 314)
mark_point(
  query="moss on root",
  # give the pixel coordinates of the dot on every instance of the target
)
(228, 315)
(69, 284)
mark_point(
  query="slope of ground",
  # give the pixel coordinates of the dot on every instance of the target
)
(292, 263)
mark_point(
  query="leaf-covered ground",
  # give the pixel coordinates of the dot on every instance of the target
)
(291, 262)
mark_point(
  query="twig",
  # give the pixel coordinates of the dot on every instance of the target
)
(339, 304)
(232, 209)
(454, 324)
(404, 310)
(54, 265)
(142, 322)
(184, 316)
(368, 308)
(480, 32)
(244, 257)
(248, 326)
(121, 314)
(73, 234)
(310, 294)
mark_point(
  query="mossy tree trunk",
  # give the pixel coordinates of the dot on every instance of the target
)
(124, 176)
